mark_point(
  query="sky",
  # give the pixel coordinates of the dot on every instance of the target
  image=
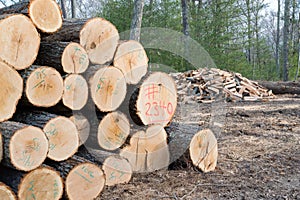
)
(272, 5)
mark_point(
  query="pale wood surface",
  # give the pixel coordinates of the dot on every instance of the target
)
(85, 181)
(117, 170)
(63, 138)
(74, 58)
(113, 130)
(19, 44)
(132, 60)
(6, 193)
(28, 148)
(75, 94)
(44, 87)
(108, 88)
(11, 91)
(157, 99)
(42, 183)
(100, 38)
(204, 150)
(46, 15)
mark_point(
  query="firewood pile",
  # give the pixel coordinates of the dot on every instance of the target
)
(206, 84)
(65, 84)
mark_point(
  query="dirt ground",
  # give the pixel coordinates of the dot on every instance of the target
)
(259, 156)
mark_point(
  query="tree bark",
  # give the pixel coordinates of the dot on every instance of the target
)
(277, 57)
(285, 40)
(136, 22)
(20, 7)
(282, 87)
(69, 32)
(73, 6)
(63, 8)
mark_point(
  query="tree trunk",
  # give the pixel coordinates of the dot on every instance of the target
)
(113, 130)
(75, 95)
(148, 151)
(204, 150)
(100, 39)
(277, 57)
(185, 23)
(73, 6)
(25, 147)
(35, 183)
(44, 86)
(282, 87)
(63, 8)
(136, 22)
(50, 54)
(108, 88)
(19, 44)
(6, 193)
(285, 40)
(11, 91)
(69, 32)
(155, 101)
(117, 170)
(132, 60)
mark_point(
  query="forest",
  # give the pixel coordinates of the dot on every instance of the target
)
(241, 36)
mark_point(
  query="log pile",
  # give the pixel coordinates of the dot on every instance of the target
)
(205, 85)
(64, 84)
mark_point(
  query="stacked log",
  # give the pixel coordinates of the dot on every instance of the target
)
(80, 65)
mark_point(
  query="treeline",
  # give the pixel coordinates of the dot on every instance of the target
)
(239, 35)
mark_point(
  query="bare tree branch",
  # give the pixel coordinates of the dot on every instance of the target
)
(3, 2)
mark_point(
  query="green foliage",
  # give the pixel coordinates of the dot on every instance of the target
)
(219, 26)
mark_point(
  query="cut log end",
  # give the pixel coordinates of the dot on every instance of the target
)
(148, 151)
(6, 193)
(100, 39)
(74, 59)
(108, 88)
(44, 87)
(83, 127)
(75, 94)
(28, 148)
(113, 130)
(157, 100)
(132, 60)
(19, 44)
(63, 138)
(11, 91)
(85, 181)
(46, 15)
(117, 170)
(42, 183)
(204, 150)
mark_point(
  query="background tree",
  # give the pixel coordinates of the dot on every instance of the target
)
(136, 22)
